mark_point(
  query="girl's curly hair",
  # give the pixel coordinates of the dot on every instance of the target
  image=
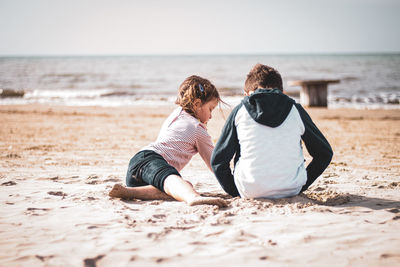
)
(195, 87)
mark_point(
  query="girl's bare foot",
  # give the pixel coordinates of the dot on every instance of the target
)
(118, 191)
(199, 200)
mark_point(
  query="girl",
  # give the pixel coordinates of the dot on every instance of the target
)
(153, 173)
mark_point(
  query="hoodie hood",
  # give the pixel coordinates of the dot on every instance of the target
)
(269, 107)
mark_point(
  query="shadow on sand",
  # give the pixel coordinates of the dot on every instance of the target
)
(326, 198)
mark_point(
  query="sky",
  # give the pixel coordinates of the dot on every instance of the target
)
(133, 27)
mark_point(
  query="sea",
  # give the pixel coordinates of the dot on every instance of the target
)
(367, 81)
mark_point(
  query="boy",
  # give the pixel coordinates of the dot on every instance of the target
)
(263, 134)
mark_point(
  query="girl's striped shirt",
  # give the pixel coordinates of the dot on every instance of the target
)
(181, 137)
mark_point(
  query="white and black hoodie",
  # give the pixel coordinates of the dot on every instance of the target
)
(263, 134)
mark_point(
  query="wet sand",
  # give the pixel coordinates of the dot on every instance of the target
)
(58, 164)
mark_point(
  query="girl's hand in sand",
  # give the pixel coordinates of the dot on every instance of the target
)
(199, 200)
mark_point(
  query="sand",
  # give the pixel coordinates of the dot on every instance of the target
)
(58, 164)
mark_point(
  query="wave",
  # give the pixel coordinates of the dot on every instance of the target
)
(118, 93)
(232, 96)
(383, 99)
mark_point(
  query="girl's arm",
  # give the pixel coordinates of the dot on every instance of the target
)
(204, 145)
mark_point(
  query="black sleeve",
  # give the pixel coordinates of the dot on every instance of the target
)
(223, 153)
(317, 146)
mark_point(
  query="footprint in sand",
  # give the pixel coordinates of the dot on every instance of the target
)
(221, 221)
(272, 243)
(198, 243)
(157, 236)
(44, 258)
(94, 182)
(159, 260)
(214, 234)
(243, 236)
(9, 183)
(392, 185)
(160, 216)
(112, 178)
(13, 156)
(58, 179)
(388, 255)
(92, 262)
(36, 211)
(129, 221)
(183, 228)
(394, 210)
(57, 193)
(93, 179)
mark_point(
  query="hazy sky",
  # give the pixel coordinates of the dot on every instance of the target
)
(65, 27)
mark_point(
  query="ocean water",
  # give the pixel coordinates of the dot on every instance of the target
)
(366, 81)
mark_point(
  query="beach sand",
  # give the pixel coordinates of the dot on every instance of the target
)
(58, 164)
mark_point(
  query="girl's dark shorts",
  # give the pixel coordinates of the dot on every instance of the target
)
(148, 168)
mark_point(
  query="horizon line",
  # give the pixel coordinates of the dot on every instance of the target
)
(208, 54)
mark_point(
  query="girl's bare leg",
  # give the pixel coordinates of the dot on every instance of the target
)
(147, 192)
(175, 188)
(182, 190)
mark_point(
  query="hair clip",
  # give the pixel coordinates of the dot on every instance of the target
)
(201, 88)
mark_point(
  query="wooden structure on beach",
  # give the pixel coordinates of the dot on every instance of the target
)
(4, 93)
(313, 93)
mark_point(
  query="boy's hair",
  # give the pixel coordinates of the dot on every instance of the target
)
(263, 76)
(195, 87)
